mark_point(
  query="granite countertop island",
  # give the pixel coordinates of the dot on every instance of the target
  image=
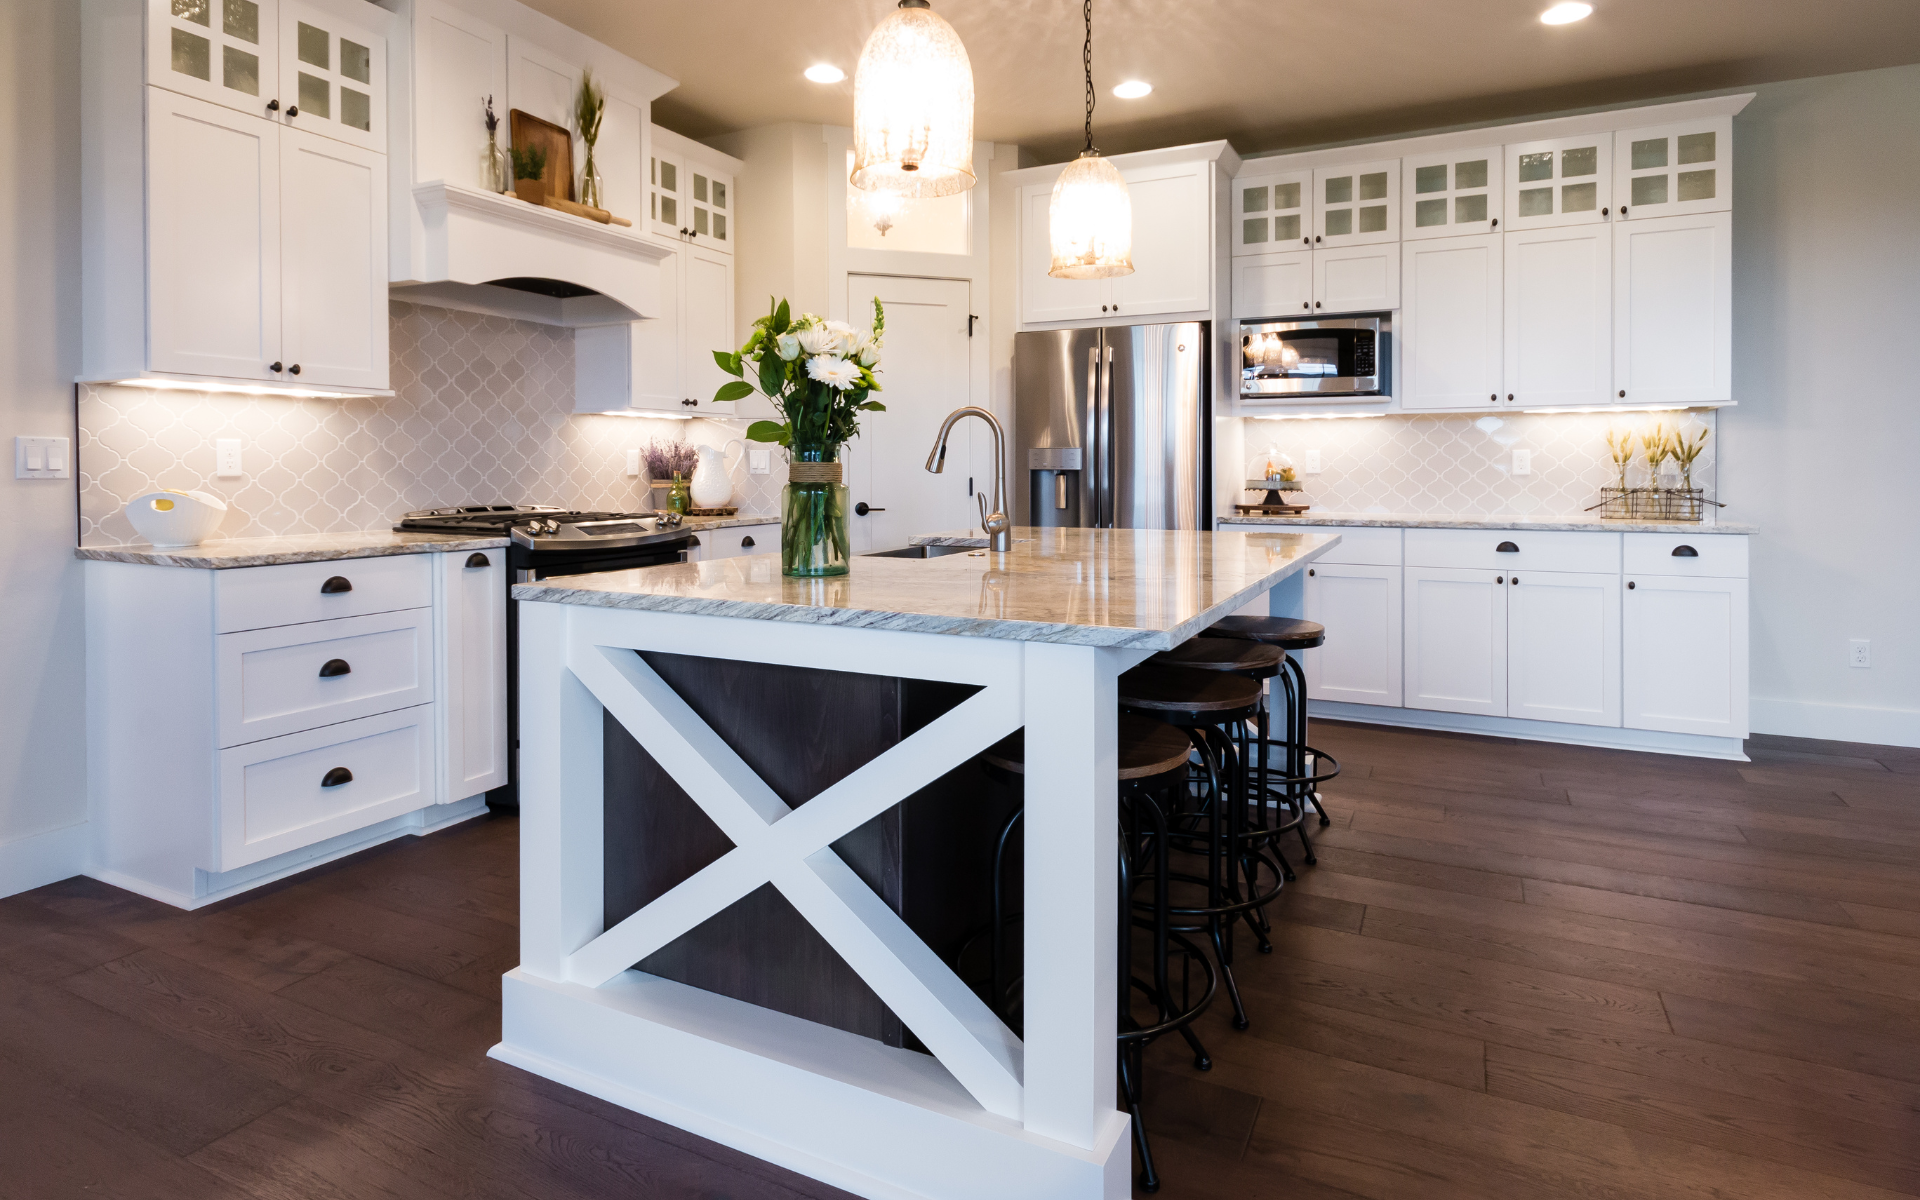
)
(738, 792)
(1576, 522)
(224, 553)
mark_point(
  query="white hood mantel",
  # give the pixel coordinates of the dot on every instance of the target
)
(497, 254)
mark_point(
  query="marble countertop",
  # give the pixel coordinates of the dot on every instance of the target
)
(697, 524)
(223, 553)
(1578, 522)
(1147, 589)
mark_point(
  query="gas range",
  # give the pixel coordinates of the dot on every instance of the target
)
(542, 527)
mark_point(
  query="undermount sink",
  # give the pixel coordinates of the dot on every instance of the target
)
(925, 551)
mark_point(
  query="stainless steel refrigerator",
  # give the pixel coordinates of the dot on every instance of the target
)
(1111, 429)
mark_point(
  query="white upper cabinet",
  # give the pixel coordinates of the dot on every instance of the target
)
(707, 316)
(690, 193)
(666, 191)
(333, 262)
(1673, 309)
(459, 61)
(223, 51)
(1273, 285)
(1452, 326)
(710, 203)
(1451, 193)
(1559, 316)
(1356, 204)
(1363, 278)
(542, 84)
(1674, 170)
(1045, 300)
(333, 74)
(1271, 213)
(1563, 181)
(1172, 242)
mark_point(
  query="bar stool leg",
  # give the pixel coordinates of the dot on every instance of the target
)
(1298, 794)
(1300, 738)
(1227, 811)
(997, 942)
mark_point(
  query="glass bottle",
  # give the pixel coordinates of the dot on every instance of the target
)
(677, 500)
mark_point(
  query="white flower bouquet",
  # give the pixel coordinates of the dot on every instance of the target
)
(818, 373)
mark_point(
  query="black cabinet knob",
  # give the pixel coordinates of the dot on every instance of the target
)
(1316, 237)
(1494, 399)
(1515, 580)
(1685, 552)
(1496, 223)
(1499, 578)
(333, 667)
(294, 369)
(274, 367)
(477, 559)
(1305, 304)
(1509, 397)
(273, 106)
(1309, 571)
(1623, 393)
(1506, 548)
(336, 777)
(1623, 210)
(334, 585)
(293, 110)
(1603, 212)
(1629, 585)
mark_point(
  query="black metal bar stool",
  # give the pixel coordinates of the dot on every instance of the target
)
(1290, 635)
(1215, 709)
(1153, 759)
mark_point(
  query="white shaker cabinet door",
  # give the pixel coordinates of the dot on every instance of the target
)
(1045, 300)
(221, 51)
(1273, 285)
(1559, 316)
(1172, 243)
(459, 62)
(1360, 606)
(1684, 657)
(333, 74)
(473, 658)
(708, 317)
(1563, 647)
(1673, 310)
(1451, 322)
(333, 246)
(213, 238)
(1358, 278)
(1456, 640)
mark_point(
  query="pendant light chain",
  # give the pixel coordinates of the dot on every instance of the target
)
(1086, 61)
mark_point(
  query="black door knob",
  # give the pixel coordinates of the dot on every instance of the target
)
(336, 777)
(863, 508)
(334, 585)
(477, 559)
(333, 667)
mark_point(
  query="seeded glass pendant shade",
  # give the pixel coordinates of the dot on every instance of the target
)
(913, 107)
(1090, 221)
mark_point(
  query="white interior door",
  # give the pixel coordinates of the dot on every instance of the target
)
(1456, 639)
(1563, 647)
(926, 372)
(333, 261)
(1360, 606)
(1451, 322)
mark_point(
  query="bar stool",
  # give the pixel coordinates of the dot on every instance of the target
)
(1290, 635)
(1214, 708)
(1153, 758)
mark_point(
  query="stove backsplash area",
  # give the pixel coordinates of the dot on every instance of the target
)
(482, 412)
(1462, 464)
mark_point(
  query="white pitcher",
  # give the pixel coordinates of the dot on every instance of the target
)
(712, 486)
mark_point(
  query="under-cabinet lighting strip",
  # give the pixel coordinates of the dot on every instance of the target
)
(241, 389)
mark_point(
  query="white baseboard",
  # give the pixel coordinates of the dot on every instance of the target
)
(1692, 745)
(42, 858)
(1836, 722)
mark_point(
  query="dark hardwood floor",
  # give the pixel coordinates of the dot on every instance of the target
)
(1518, 971)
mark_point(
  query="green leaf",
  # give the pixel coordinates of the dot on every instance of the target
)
(873, 406)
(772, 374)
(739, 389)
(782, 317)
(768, 431)
(730, 363)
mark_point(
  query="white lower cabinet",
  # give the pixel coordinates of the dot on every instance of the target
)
(472, 647)
(1685, 654)
(1456, 635)
(735, 541)
(1563, 647)
(1360, 606)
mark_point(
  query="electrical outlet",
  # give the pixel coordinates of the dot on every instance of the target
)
(226, 458)
(1313, 462)
(759, 461)
(40, 458)
(1857, 653)
(633, 464)
(1523, 462)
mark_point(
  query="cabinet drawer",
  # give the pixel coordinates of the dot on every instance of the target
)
(259, 597)
(1363, 546)
(1555, 550)
(737, 540)
(1714, 555)
(288, 792)
(292, 677)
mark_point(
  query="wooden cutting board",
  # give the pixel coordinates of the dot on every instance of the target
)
(528, 130)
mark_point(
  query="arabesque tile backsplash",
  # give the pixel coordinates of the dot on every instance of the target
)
(1461, 464)
(482, 412)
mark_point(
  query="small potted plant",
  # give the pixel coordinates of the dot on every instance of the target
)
(529, 165)
(1686, 451)
(668, 464)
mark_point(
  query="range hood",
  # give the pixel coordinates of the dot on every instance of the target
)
(488, 253)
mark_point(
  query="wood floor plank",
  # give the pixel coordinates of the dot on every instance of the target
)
(426, 1014)
(1890, 1053)
(1415, 1050)
(1341, 859)
(425, 948)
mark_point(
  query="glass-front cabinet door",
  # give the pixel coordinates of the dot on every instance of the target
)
(1271, 213)
(1356, 204)
(217, 50)
(1567, 181)
(710, 208)
(1451, 193)
(333, 76)
(667, 213)
(1674, 170)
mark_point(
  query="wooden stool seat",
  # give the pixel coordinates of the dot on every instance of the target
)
(1220, 654)
(1284, 632)
(1185, 690)
(1147, 748)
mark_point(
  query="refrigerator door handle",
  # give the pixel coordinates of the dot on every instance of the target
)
(1096, 442)
(1107, 465)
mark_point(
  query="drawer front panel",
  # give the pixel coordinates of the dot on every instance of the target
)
(1713, 555)
(1480, 549)
(738, 540)
(285, 793)
(288, 678)
(261, 597)
(1362, 546)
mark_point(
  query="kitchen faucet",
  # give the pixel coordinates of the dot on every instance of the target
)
(998, 525)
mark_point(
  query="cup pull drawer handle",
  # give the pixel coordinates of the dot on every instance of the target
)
(1506, 548)
(334, 585)
(336, 777)
(1685, 552)
(333, 667)
(477, 559)
(746, 543)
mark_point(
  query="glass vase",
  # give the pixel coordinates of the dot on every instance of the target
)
(590, 185)
(677, 500)
(813, 520)
(493, 168)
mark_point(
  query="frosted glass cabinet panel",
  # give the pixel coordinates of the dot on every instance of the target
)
(1566, 181)
(1451, 193)
(1356, 204)
(223, 51)
(1674, 170)
(333, 75)
(1272, 213)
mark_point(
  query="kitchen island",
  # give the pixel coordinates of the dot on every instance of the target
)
(1036, 637)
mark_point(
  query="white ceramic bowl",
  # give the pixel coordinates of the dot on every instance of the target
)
(170, 518)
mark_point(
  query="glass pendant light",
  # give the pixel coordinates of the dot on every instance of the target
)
(1090, 222)
(913, 107)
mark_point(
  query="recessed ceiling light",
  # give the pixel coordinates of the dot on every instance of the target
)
(1133, 89)
(1565, 14)
(825, 73)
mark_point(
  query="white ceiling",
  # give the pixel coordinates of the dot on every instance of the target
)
(1266, 74)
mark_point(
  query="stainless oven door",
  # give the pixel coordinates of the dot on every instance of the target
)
(1330, 358)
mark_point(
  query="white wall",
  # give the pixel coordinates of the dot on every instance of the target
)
(1823, 452)
(42, 684)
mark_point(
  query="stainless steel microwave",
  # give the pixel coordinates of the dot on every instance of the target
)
(1322, 358)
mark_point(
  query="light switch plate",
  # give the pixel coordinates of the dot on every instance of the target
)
(1523, 462)
(633, 464)
(226, 458)
(1313, 462)
(41, 458)
(759, 462)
